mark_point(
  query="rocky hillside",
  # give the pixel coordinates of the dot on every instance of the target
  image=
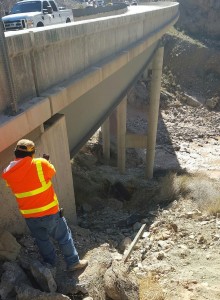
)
(193, 64)
(192, 50)
(200, 17)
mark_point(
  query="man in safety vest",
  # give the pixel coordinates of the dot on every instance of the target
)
(30, 180)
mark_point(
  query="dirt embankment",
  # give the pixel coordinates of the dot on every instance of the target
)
(195, 65)
(200, 18)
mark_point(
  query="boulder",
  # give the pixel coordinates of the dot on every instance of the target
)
(192, 101)
(119, 284)
(212, 102)
(9, 247)
(91, 279)
(69, 285)
(131, 220)
(43, 276)
(25, 292)
(12, 277)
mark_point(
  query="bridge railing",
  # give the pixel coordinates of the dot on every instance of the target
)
(88, 11)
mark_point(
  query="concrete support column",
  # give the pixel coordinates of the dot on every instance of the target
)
(106, 139)
(121, 133)
(54, 141)
(154, 110)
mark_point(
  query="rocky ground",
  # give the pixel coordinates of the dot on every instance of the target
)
(180, 248)
(177, 256)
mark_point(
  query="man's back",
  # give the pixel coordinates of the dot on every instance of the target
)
(30, 181)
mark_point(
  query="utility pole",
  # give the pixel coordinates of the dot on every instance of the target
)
(6, 68)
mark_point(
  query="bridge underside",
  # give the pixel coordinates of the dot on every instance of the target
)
(68, 79)
(97, 104)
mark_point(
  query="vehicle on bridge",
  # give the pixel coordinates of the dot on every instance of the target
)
(100, 3)
(36, 13)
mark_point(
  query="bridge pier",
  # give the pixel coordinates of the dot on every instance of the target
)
(106, 139)
(54, 141)
(141, 141)
(121, 134)
(157, 65)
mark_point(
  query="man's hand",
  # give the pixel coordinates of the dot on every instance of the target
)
(46, 156)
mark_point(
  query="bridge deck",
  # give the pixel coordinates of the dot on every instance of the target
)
(55, 66)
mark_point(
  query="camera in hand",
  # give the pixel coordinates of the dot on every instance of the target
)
(61, 212)
(46, 156)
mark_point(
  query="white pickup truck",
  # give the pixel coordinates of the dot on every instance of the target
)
(36, 13)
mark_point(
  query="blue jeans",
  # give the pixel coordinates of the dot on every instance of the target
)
(56, 227)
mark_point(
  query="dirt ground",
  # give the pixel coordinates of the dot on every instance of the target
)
(187, 262)
(180, 247)
(181, 244)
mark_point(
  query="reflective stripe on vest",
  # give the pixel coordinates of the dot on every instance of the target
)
(40, 209)
(45, 186)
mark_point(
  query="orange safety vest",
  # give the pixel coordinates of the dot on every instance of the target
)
(30, 181)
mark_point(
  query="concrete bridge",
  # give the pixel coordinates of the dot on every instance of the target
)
(59, 84)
